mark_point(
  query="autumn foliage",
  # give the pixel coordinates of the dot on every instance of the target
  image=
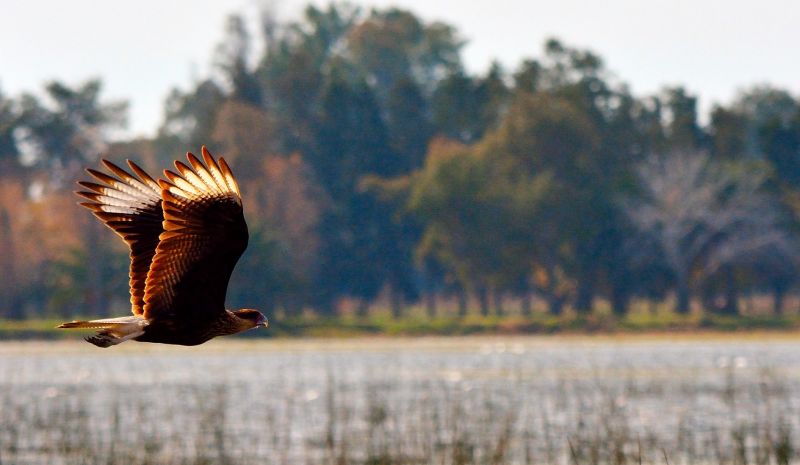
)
(377, 173)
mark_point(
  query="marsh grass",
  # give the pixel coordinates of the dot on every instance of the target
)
(494, 403)
(642, 317)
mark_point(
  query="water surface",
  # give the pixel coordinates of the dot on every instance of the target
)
(426, 400)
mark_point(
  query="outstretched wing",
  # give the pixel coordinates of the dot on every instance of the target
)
(204, 235)
(131, 206)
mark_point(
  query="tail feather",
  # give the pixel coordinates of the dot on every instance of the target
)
(113, 330)
(87, 325)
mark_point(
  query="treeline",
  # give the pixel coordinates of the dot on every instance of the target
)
(376, 170)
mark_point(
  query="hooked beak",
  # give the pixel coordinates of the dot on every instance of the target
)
(262, 321)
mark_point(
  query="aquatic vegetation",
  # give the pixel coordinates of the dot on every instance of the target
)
(410, 401)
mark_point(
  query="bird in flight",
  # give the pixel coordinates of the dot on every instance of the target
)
(185, 234)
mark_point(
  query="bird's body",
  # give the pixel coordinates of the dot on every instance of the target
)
(185, 235)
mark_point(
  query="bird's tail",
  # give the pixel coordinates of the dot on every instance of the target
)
(112, 330)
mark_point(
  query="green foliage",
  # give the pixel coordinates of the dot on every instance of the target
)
(263, 277)
(408, 124)
(395, 44)
(69, 127)
(189, 117)
(67, 281)
(638, 322)
(232, 55)
(683, 129)
(405, 176)
(8, 123)
(479, 216)
(458, 108)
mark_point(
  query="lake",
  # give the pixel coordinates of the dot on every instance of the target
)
(517, 400)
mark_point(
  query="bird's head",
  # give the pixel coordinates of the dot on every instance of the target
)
(251, 318)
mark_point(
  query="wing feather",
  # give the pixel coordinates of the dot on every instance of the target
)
(204, 234)
(216, 173)
(131, 206)
(206, 174)
(228, 174)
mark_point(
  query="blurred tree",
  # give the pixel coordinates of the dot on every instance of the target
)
(766, 123)
(60, 137)
(357, 97)
(405, 281)
(775, 268)
(293, 68)
(394, 44)
(493, 95)
(68, 130)
(729, 130)
(264, 278)
(543, 134)
(355, 138)
(9, 173)
(760, 105)
(781, 145)
(349, 91)
(189, 119)
(292, 83)
(528, 77)
(323, 31)
(456, 108)
(12, 199)
(69, 286)
(683, 128)
(479, 217)
(245, 135)
(463, 108)
(47, 231)
(408, 124)
(232, 56)
(769, 129)
(409, 130)
(617, 122)
(357, 252)
(648, 119)
(283, 203)
(703, 215)
(9, 121)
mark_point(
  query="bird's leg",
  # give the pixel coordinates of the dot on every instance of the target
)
(107, 338)
(104, 339)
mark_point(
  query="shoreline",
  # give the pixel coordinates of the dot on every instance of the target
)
(494, 342)
(667, 325)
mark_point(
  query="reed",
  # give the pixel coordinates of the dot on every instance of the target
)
(396, 408)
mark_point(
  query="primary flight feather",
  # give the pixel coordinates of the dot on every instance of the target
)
(185, 234)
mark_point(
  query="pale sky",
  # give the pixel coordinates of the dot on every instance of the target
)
(142, 49)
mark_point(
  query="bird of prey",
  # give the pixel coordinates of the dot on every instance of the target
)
(185, 234)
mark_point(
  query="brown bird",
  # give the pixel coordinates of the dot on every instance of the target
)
(185, 235)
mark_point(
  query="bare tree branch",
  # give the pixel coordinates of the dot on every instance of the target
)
(702, 214)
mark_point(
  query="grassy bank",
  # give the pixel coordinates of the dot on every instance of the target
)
(383, 325)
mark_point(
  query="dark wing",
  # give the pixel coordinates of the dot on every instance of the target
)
(204, 235)
(131, 206)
